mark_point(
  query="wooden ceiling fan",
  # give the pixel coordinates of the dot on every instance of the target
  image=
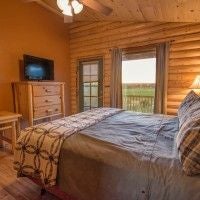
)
(72, 7)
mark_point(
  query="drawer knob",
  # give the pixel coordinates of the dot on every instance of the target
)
(48, 101)
(47, 90)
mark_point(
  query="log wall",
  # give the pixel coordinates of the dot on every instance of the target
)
(94, 39)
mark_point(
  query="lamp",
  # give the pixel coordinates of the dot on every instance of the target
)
(196, 84)
(68, 5)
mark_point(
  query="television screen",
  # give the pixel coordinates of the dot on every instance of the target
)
(38, 68)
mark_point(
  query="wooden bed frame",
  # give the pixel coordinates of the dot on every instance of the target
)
(55, 190)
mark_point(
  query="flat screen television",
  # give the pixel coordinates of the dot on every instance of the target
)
(38, 69)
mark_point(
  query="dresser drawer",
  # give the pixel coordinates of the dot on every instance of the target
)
(47, 111)
(46, 101)
(39, 90)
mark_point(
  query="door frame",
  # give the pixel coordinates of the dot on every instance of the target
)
(80, 79)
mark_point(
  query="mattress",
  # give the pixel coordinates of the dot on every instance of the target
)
(129, 156)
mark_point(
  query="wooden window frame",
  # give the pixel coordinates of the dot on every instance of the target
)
(141, 52)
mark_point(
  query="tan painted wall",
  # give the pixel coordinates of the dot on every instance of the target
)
(26, 28)
(95, 39)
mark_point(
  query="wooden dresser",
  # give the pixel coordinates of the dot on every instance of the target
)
(39, 100)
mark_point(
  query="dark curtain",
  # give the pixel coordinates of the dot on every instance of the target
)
(116, 79)
(162, 58)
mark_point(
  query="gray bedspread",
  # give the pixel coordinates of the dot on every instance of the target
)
(128, 156)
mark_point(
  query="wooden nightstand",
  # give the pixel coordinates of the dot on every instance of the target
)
(9, 120)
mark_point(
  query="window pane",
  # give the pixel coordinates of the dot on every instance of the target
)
(94, 69)
(90, 83)
(86, 89)
(94, 78)
(94, 89)
(86, 78)
(86, 108)
(94, 102)
(86, 101)
(138, 77)
(86, 69)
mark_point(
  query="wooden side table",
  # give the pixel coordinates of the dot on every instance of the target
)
(9, 120)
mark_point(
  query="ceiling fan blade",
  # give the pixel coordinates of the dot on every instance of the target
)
(68, 19)
(95, 5)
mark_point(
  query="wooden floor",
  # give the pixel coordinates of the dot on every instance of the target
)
(17, 188)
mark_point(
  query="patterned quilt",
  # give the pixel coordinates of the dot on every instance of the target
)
(38, 147)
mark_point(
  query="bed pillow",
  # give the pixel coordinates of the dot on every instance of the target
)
(188, 138)
(189, 104)
(188, 143)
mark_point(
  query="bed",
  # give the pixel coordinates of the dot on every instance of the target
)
(126, 156)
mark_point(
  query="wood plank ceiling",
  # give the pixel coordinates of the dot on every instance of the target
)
(140, 10)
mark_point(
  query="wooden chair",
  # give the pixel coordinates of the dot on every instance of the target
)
(9, 121)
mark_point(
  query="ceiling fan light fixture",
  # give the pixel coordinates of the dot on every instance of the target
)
(78, 7)
(68, 11)
(62, 4)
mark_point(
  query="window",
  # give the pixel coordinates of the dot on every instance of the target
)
(90, 84)
(138, 80)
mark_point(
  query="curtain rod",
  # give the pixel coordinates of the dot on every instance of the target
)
(140, 46)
